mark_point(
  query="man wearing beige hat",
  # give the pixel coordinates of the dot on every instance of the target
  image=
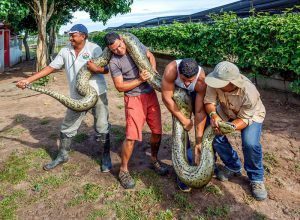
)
(232, 97)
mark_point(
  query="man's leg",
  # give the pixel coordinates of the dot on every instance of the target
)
(197, 152)
(135, 120)
(155, 144)
(153, 118)
(126, 153)
(68, 130)
(229, 157)
(126, 180)
(252, 150)
(101, 125)
(62, 156)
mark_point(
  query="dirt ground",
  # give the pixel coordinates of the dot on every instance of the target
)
(29, 130)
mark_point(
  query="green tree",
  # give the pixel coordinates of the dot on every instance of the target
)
(28, 26)
(13, 12)
(58, 19)
(99, 10)
(18, 16)
(43, 10)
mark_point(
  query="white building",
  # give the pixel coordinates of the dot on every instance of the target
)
(10, 48)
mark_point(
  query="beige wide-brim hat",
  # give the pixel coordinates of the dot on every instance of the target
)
(223, 74)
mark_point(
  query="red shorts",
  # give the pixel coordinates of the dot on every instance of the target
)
(139, 109)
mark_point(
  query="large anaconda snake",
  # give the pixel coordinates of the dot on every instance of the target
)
(195, 176)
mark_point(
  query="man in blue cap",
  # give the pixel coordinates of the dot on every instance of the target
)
(74, 56)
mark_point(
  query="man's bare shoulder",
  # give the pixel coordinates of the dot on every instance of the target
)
(201, 85)
(170, 73)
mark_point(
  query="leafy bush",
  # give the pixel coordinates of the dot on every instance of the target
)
(42, 81)
(98, 38)
(263, 44)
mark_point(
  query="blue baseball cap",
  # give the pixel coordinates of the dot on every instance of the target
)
(78, 28)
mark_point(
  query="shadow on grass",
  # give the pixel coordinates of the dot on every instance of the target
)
(46, 131)
(155, 197)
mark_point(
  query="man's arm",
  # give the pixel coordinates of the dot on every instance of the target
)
(91, 66)
(167, 90)
(214, 117)
(44, 72)
(239, 124)
(56, 64)
(200, 113)
(124, 86)
(152, 60)
(247, 110)
(210, 101)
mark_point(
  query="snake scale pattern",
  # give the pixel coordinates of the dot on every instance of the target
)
(194, 176)
(89, 94)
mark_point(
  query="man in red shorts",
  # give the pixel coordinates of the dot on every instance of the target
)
(141, 104)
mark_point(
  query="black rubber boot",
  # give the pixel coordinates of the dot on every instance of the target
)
(62, 156)
(105, 158)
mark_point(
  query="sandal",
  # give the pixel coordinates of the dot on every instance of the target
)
(159, 168)
(126, 180)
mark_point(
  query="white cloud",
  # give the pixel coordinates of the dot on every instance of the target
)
(80, 15)
(142, 10)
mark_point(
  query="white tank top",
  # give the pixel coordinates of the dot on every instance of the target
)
(179, 82)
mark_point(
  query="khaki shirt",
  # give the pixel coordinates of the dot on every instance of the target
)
(243, 103)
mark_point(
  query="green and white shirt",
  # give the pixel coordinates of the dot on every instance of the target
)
(67, 58)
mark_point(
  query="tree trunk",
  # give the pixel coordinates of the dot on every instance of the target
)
(52, 41)
(41, 50)
(27, 52)
(42, 15)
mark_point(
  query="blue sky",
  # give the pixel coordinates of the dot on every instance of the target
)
(142, 10)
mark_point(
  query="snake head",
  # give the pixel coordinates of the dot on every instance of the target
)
(226, 127)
